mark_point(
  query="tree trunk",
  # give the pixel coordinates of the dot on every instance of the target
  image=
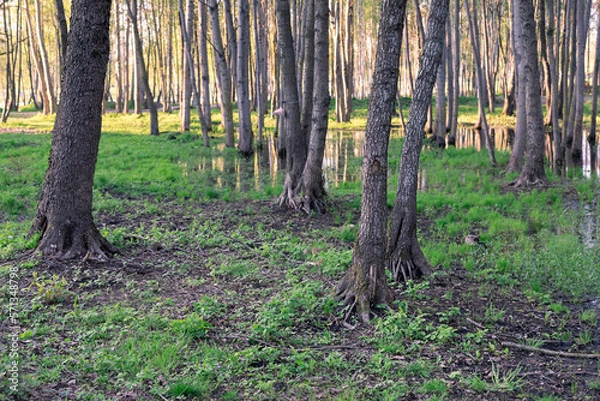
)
(309, 68)
(518, 150)
(9, 97)
(582, 25)
(132, 12)
(457, 74)
(365, 285)
(205, 76)
(186, 30)
(187, 65)
(312, 187)
(261, 66)
(295, 140)
(231, 46)
(64, 32)
(223, 74)
(44, 58)
(406, 260)
(47, 107)
(439, 131)
(592, 134)
(64, 220)
(554, 91)
(533, 171)
(473, 33)
(246, 138)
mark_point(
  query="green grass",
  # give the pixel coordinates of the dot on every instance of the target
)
(218, 295)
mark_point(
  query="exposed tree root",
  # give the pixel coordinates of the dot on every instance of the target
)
(530, 180)
(405, 265)
(362, 291)
(312, 198)
(68, 241)
(288, 197)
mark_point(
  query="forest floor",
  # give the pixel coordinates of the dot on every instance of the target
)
(233, 301)
(219, 294)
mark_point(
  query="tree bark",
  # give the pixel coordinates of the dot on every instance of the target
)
(309, 68)
(365, 286)
(312, 187)
(474, 35)
(64, 32)
(64, 220)
(554, 112)
(44, 57)
(577, 127)
(246, 138)
(205, 76)
(515, 163)
(223, 74)
(295, 140)
(132, 12)
(406, 260)
(186, 30)
(592, 134)
(533, 171)
(260, 51)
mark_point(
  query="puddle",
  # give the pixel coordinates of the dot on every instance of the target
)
(342, 160)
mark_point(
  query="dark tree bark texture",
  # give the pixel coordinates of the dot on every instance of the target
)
(364, 286)
(406, 259)
(295, 140)
(533, 172)
(312, 187)
(64, 213)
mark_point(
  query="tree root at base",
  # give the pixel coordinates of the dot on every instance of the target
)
(64, 243)
(528, 182)
(362, 294)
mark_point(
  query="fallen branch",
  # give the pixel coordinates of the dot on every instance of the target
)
(550, 352)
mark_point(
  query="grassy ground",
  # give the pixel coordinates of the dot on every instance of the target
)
(219, 294)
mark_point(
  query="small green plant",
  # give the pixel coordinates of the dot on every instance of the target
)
(192, 326)
(51, 290)
(500, 382)
(584, 338)
(493, 314)
(590, 317)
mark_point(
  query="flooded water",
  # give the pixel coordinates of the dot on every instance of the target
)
(341, 164)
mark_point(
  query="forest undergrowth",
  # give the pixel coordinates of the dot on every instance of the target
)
(219, 294)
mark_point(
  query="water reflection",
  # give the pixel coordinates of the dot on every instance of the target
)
(341, 163)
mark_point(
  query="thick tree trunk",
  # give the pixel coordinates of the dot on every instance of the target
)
(64, 213)
(518, 150)
(365, 285)
(312, 187)
(223, 74)
(295, 140)
(533, 171)
(406, 260)
(246, 138)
